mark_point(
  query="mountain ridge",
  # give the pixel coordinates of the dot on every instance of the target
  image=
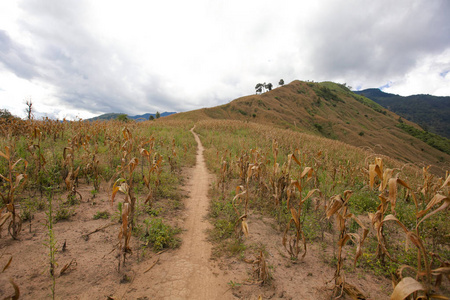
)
(432, 113)
(143, 117)
(333, 111)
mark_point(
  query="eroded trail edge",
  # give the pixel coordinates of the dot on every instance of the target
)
(189, 272)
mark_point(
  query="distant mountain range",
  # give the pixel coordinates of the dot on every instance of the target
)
(144, 117)
(432, 113)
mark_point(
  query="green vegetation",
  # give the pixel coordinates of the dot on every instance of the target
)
(434, 140)
(326, 93)
(102, 215)
(159, 235)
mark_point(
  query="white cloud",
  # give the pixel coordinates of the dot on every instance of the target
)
(431, 75)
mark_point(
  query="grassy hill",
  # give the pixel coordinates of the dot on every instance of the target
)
(333, 111)
(430, 112)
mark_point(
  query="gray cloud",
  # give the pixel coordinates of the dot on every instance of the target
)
(377, 40)
(15, 58)
(166, 60)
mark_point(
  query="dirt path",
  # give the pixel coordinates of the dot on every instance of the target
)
(189, 273)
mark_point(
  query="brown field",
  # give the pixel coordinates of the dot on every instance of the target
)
(239, 207)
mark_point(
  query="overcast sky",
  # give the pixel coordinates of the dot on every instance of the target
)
(84, 58)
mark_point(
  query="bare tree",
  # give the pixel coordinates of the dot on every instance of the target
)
(29, 109)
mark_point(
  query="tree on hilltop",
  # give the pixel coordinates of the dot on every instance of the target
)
(281, 82)
(269, 86)
(259, 88)
(158, 115)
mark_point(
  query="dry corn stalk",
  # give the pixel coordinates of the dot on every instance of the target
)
(339, 207)
(421, 286)
(241, 225)
(261, 270)
(292, 245)
(14, 182)
(155, 161)
(124, 234)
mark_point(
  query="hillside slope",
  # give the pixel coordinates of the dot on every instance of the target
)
(430, 112)
(333, 111)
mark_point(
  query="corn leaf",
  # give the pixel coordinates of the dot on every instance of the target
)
(406, 287)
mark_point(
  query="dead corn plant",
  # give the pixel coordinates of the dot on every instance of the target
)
(224, 171)
(338, 207)
(240, 202)
(154, 170)
(291, 242)
(405, 286)
(39, 159)
(173, 159)
(71, 179)
(91, 163)
(124, 235)
(260, 268)
(14, 180)
(125, 183)
(279, 179)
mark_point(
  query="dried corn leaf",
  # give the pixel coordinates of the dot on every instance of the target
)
(144, 152)
(295, 217)
(347, 195)
(441, 270)
(4, 178)
(393, 218)
(372, 174)
(4, 218)
(308, 171)
(392, 193)
(379, 163)
(446, 182)
(438, 198)
(406, 287)
(19, 160)
(67, 266)
(116, 188)
(5, 155)
(387, 176)
(296, 160)
(334, 206)
(310, 193)
(244, 227)
(19, 179)
(353, 292)
(7, 264)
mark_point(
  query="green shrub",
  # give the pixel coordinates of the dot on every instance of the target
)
(160, 235)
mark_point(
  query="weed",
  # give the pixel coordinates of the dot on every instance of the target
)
(102, 215)
(160, 235)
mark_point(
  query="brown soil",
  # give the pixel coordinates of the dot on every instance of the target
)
(184, 273)
(189, 272)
